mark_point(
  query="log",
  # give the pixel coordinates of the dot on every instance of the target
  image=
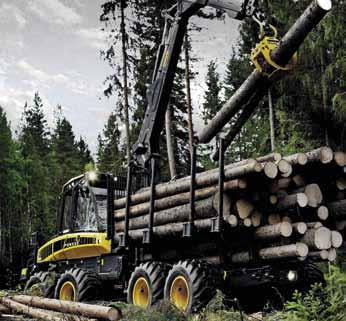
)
(297, 159)
(171, 230)
(337, 239)
(332, 255)
(323, 255)
(4, 310)
(299, 180)
(273, 199)
(174, 201)
(286, 219)
(281, 55)
(82, 309)
(206, 179)
(300, 227)
(289, 201)
(341, 184)
(273, 231)
(205, 208)
(241, 257)
(323, 213)
(232, 220)
(274, 219)
(247, 222)
(279, 184)
(314, 225)
(319, 238)
(340, 158)
(244, 208)
(341, 225)
(337, 209)
(273, 157)
(314, 195)
(322, 154)
(256, 218)
(39, 313)
(285, 251)
(285, 168)
(270, 170)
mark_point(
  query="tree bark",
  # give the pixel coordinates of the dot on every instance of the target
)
(319, 238)
(285, 251)
(292, 200)
(337, 209)
(274, 231)
(83, 309)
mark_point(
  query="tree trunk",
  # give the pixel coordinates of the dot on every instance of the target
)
(273, 231)
(319, 238)
(83, 309)
(271, 121)
(285, 251)
(292, 200)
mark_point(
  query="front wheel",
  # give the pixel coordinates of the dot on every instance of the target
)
(78, 285)
(41, 284)
(190, 285)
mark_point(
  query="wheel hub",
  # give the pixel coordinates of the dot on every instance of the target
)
(68, 292)
(179, 293)
(141, 292)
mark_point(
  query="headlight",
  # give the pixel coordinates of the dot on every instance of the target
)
(92, 176)
(292, 276)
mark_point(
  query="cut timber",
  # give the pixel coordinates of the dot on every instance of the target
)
(323, 154)
(86, 310)
(341, 184)
(205, 208)
(331, 255)
(285, 251)
(289, 201)
(323, 255)
(39, 313)
(247, 222)
(283, 53)
(297, 159)
(319, 238)
(4, 310)
(273, 199)
(241, 257)
(232, 220)
(314, 225)
(340, 225)
(172, 230)
(273, 157)
(279, 184)
(256, 218)
(337, 239)
(285, 168)
(273, 231)
(337, 209)
(340, 158)
(299, 180)
(323, 213)
(270, 170)
(314, 195)
(244, 208)
(209, 178)
(179, 199)
(300, 228)
(274, 219)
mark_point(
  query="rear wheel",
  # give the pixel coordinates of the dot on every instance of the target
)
(190, 285)
(78, 285)
(41, 284)
(146, 284)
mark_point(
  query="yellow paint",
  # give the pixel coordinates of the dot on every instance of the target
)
(141, 293)
(165, 59)
(67, 292)
(180, 293)
(68, 246)
(24, 272)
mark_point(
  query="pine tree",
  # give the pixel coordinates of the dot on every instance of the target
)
(110, 156)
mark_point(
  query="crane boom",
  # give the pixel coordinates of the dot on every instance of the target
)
(158, 94)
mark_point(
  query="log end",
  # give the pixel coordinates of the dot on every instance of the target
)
(331, 255)
(271, 170)
(326, 155)
(286, 229)
(326, 5)
(323, 213)
(337, 239)
(302, 249)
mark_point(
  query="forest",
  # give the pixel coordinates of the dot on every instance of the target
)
(309, 110)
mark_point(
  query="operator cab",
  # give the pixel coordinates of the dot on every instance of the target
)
(83, 204)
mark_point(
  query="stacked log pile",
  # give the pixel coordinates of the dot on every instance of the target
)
(288, 207)
(57, 310)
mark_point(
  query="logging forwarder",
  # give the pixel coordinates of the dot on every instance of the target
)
(88, 254)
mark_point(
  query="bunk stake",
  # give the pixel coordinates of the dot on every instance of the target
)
(148, 234)
(217, 223)
(189, 226)
(124, 237)
(110, 208)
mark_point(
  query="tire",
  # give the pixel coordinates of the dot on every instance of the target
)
(190, 285)
(146, 284)
(78, 285)
(45, 282)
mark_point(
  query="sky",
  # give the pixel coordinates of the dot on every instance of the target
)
(53, 47)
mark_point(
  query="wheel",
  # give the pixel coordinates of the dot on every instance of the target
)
(78, 285)
(190, 285)
(146, 284)
(41, 284)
